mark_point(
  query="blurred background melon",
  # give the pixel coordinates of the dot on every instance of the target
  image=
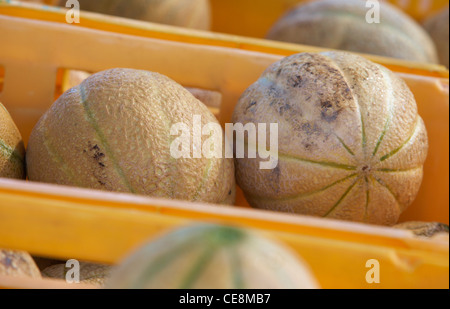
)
(194, 14)
(342, 25)
(437, 26)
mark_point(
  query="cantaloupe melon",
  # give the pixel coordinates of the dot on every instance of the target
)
(421, 228)
(342, 25)
(90, 273)
(208, 256)
(17, 263)
(113, 132)
(183, 13)
(351, 144)
(437, 26)
(12, 150)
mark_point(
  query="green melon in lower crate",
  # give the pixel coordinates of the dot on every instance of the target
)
(90, 273)
(212, 257)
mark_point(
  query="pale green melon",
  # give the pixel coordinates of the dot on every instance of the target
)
(212, 257)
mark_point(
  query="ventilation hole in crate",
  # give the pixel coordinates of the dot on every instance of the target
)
(212, 99)
(68, 78)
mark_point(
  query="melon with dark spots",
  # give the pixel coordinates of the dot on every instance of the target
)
(438, 28)
(113, 132)
(351, 144)
(194, 14)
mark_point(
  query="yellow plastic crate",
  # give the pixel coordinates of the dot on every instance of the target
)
(64, 222)
(158, 31)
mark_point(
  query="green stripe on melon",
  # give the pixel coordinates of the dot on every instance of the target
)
(10, 153)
